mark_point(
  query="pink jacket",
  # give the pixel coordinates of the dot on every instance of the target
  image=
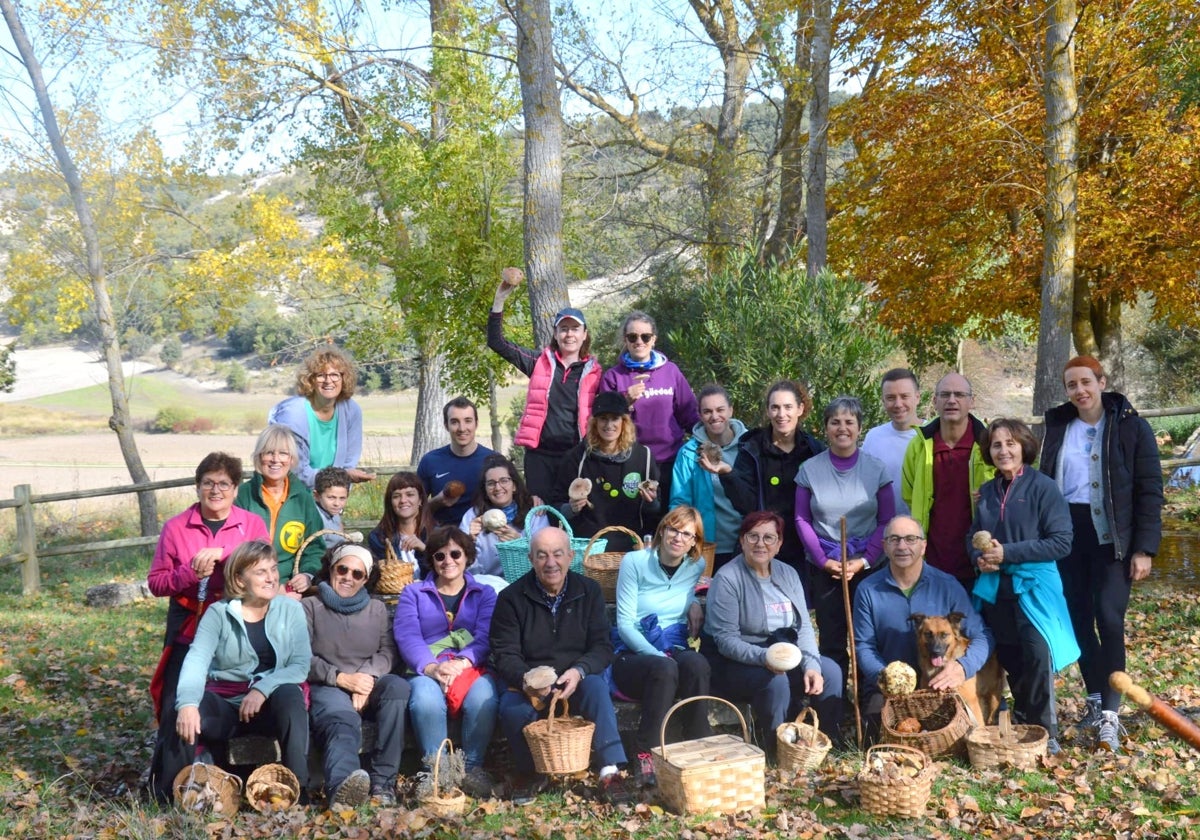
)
(185, 534)
(529, 432)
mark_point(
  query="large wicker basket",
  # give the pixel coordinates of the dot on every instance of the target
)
(604, 566)
(201, 788)
(720, 773)
(810, 747)
(943, 717)
(1005, 745)
(514, 554)
(450, 803)
(560, 745)
(394, 573)
(903, 796)
(272, 788)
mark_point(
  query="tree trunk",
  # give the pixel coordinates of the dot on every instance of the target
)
(428, 431)
(789, 226)
(119, 422)
(1106, 325)
(818, 138)
(494, 414)
(543, 165)
(721, 179)
(1058, 253)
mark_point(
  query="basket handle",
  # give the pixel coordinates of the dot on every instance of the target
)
(810, 712)
(637, 540)
(304, 545)
(662, 732)
(898, 748)
(1006, 733)
(556, 697)
(536, 509)
(437, 763)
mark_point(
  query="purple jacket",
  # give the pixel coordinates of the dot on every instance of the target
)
(421, 620)
(665, 410)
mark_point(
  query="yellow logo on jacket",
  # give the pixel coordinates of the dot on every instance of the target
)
(291, 534)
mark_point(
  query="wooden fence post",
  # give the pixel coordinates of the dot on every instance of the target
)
(31, 575)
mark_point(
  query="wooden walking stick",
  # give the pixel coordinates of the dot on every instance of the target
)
(850, 634)
(1160, 710)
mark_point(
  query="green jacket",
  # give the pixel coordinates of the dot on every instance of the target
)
(917, 472)
(297, 520)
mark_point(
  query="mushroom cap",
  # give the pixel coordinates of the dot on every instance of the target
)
(784, 656)
(493, 520)
(898, 679)
(580, 488)
(982, 540)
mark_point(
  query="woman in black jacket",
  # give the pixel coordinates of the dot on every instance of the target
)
(1105, 460)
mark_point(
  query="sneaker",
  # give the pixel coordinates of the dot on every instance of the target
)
(1108, 734)
(1091, 717)
(643, 771)
(1052, 747)
(352, 791)
(478, 783)
(527, 789)
(615, 790)
(383, 794)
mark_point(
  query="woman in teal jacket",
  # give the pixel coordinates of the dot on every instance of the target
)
(243, 671)
(285, 504)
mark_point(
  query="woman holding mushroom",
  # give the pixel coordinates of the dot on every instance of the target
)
(497, 513)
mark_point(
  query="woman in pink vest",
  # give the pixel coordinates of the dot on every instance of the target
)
(563, 380)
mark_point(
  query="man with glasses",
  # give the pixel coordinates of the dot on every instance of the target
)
(884, 605)
(942, 472)
(460, 460)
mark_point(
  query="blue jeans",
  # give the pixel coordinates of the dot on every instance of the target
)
(337, 728)
(776, 698)
(591, 701)
(427, 710)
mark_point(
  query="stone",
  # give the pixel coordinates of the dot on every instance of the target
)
(116, 594)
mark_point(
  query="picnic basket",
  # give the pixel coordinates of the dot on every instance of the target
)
(449, 803)
(1006, 745)
(810, 747)
(206, 787)
(394, 573)
(721, 773)
(885, 786)
(943, 717)
(271, 788)
(603, 567)
(514, 554)
(560, 745)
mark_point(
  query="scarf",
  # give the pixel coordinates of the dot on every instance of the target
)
(510, 512)
(338, 604)
(656, 360)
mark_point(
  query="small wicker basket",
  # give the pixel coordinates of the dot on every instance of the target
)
(902, 796)
(514, 554)
(808, 750)
(721, 773)
(201, 788)
(944, 721)
(1006, 745)
(708, 550)
(272, 788)
(349, 536)
(560, 745)
(394, 573)
(604, 567)
(451, 803)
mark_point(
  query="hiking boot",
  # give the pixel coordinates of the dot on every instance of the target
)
(352, 791)
(383, 794)
(615, 790)
(643, 771)
(1108, 734)
(527, 789)
(478, 783)
(1052, 747)
(1091, 717)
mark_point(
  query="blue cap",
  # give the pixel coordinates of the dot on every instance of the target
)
(569, 312)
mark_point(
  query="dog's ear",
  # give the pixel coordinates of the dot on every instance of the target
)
(956, 620)
(915, 619)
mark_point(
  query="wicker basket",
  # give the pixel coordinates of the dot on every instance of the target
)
(349, 536)
(560, 745)
(200, 788)
(272, 788)
(905, 796)
(721, 773)
(1005, 745)
(514, 554)
(604, 566)
(451, 803)
(394, 573)
(944, 721)
(809, 749)
(708, 550)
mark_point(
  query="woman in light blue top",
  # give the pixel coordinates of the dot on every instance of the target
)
(657, 612)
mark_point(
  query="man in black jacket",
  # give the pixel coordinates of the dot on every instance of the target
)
(553, 616)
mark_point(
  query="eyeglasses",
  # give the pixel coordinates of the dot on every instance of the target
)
(632, 338)
(330, 377)
(907, 539)
(453, 554)
(958, 395)
(493, 483)
(343, 570)
(765, 539)
(223, 486)
(686, 536)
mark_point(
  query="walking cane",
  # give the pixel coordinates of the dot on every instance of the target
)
(850, 633)
(1178, 723)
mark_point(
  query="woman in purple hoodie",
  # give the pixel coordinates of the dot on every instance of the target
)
(441, 629)
(661, 401)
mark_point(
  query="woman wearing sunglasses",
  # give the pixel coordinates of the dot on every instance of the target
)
(660, 399)
(350, 678)
(441, 628)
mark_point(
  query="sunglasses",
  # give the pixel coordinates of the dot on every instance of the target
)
(343, 570)
(632, 338)
(454, 554)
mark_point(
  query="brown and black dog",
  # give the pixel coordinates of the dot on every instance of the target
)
(939, 642)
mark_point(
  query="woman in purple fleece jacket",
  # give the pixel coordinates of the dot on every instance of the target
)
(441, 630)
(661, 401)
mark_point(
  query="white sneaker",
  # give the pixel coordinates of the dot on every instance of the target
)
(1108, 735)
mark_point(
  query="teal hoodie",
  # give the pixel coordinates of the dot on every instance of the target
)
(693, 485)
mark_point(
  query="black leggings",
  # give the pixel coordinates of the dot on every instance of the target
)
(1025, 656)
(1096, 585)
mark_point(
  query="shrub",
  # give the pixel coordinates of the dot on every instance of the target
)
(171, 351)
(236, 378)
(172, 419)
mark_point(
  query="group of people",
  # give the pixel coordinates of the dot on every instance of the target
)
(272, 629)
